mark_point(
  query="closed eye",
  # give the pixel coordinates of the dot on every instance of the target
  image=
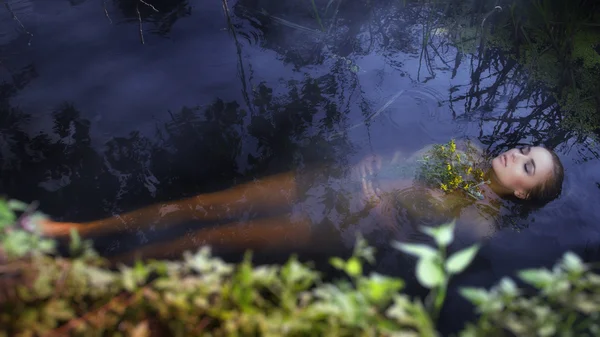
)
(525, 149)
(530, 167)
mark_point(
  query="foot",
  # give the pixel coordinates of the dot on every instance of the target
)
(55, 229)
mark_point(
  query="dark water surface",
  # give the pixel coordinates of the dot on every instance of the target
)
(95, 123)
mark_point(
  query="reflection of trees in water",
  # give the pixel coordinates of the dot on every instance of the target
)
(509, 86)
(304, 35)
(443, 43)
(161, 13)
(199, 150)
(530, 111)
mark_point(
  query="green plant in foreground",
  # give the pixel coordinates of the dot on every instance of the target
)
(18, 234)
(201, 295)
(566, 303)
(434, 269)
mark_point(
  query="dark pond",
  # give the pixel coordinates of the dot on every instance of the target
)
(95, 123)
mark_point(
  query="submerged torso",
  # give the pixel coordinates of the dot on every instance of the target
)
(406, 203)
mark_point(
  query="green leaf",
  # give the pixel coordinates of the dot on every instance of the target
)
(354, 267)
(128, 279)
(17, 205)
(47, 246)
(75, 244)
(378, 288)
(429, 273)
(419, 250)
(536, 277)
(16, 243)
(572, 262)
(461, 259)
(337, 262)
(443, 235)
(547, 329)
(508, 286)
(476, 296)
(7, 216)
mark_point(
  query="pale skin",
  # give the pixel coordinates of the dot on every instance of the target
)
(519, 170)
(515, 171)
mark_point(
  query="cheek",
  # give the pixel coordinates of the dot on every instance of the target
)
(521, 180)
(512, 178)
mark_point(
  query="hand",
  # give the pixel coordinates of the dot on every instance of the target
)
(364, 172)
(367, 167)
(371, 195)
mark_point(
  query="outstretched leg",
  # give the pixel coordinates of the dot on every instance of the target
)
(270, 233)
(263, 194)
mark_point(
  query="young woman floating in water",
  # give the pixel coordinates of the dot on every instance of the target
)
(378, 195)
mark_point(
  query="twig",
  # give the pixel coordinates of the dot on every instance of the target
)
(137, 9)
(149, 5)
(106, 12)
(18, 21)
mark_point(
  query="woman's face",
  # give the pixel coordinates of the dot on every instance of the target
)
(521, 169)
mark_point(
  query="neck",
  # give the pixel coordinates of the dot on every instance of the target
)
(495, 184)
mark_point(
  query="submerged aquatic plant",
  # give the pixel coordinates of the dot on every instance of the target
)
(451, 170)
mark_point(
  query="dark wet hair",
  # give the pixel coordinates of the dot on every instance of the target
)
(551, 188)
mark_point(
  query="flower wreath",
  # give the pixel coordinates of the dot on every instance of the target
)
(451, 170)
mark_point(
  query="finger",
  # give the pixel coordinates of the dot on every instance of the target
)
(372, 195)
(365, 188)
(367, 195)
(370, 188)
(368, 169)
(378, 162)
(374, 164)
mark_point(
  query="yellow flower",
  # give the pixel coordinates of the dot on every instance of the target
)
(449, 167)
(444, 187)
(469, 170)
(452, 146)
